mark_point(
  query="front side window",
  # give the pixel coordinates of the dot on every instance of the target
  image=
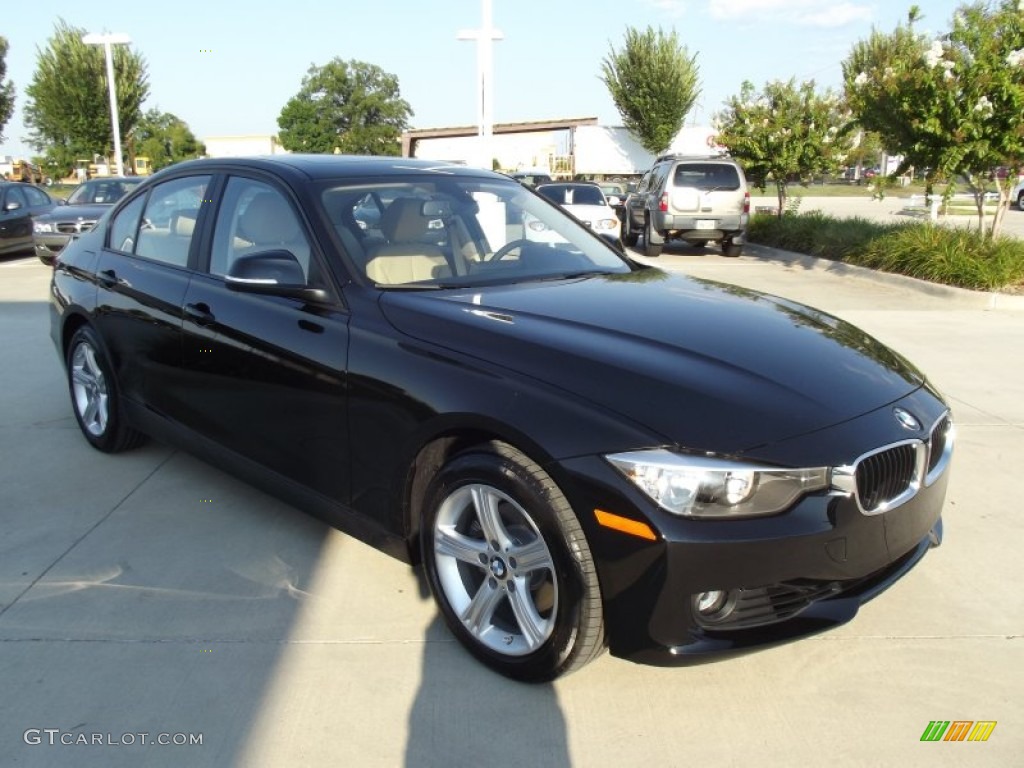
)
(456, 232)
(35, 197)
(255, 217)
(14, 199)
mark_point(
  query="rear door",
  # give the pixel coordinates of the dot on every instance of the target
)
(143, 272)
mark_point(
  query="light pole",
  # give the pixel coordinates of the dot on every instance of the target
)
(484, 37)
(106, 40)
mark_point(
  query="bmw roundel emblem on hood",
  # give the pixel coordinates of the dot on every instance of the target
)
(906, 419)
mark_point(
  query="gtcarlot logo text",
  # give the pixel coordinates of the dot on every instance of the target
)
(55, 736)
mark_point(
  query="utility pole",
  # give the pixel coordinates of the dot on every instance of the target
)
(107, 40)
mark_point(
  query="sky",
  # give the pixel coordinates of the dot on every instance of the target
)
(227, 67)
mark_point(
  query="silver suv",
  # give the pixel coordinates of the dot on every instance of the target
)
(696, 199)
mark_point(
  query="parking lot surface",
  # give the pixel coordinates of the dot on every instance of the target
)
(149, 593)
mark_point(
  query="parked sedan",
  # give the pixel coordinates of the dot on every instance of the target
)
(587, 203)
(19, 203)
(584, 452)
(86, 203)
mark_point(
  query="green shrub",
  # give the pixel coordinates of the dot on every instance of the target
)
(951, 256)
(926, 251)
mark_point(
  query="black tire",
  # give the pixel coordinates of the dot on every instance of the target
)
(730, 249)
(531, 622)
(629, 236)
(1020, 201)
(94, 395)
(652, 241)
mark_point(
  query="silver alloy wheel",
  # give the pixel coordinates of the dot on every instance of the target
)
(495, 569)
(89, 387)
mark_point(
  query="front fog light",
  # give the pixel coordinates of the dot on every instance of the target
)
(713, 606)
(708, 603)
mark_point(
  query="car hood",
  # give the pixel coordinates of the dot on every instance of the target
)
(74, 213)
(705, 365)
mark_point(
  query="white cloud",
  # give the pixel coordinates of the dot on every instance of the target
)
(837, 16)
(808, 13)
(671, 8)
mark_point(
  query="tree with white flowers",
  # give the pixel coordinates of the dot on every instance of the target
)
(784, 133)
(953, 104)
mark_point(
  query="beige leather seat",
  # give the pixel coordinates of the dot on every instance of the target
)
(404, 258)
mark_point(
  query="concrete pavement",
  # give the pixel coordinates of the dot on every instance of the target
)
(150, 593)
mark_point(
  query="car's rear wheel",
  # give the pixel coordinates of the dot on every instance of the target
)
(629, 235)
(94, 395)
(1020, 201)
(731, 249)
(509, 565)
(653, 242)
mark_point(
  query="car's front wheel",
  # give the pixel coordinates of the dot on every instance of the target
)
(94, 395)
(1020, 200)
(509, 565)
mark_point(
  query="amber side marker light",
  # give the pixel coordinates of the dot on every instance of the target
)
(625, 525)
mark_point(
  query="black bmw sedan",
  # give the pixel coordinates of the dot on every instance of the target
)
(582, 451)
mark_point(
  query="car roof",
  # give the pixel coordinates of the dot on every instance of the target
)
(333, 166)
(566, 184)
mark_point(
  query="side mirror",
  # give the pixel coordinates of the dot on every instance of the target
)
(12, 206)
(272, 273)
(614, 200)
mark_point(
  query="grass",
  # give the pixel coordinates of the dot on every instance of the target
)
(838, 189)
(926, 251)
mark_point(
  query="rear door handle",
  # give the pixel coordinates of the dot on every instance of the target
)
(199, 313)
(108, 278)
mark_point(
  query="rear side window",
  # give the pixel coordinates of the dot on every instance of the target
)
(718, 176)
(125, 226)
(169, 220)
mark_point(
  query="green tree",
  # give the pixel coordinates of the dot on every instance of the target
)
(349, 106)
(951, 104)
(68, 106)
(784, 133)
(6, 89)
(654, 84)
(165, 139)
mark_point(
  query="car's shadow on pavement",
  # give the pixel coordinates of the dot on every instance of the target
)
(464, 714)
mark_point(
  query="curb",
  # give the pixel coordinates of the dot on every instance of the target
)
(962, 297)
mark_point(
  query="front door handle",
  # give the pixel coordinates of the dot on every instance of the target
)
(199, 314)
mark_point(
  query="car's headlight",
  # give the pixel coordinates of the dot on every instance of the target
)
(606, 224)
(42, 226)
(698, 486)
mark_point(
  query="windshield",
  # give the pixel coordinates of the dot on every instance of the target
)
(101, 191)
(461, 232)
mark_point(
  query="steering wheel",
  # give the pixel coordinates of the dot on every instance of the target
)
(507, 248)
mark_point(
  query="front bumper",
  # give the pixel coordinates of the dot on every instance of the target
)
(788, 576)
(48, 245)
